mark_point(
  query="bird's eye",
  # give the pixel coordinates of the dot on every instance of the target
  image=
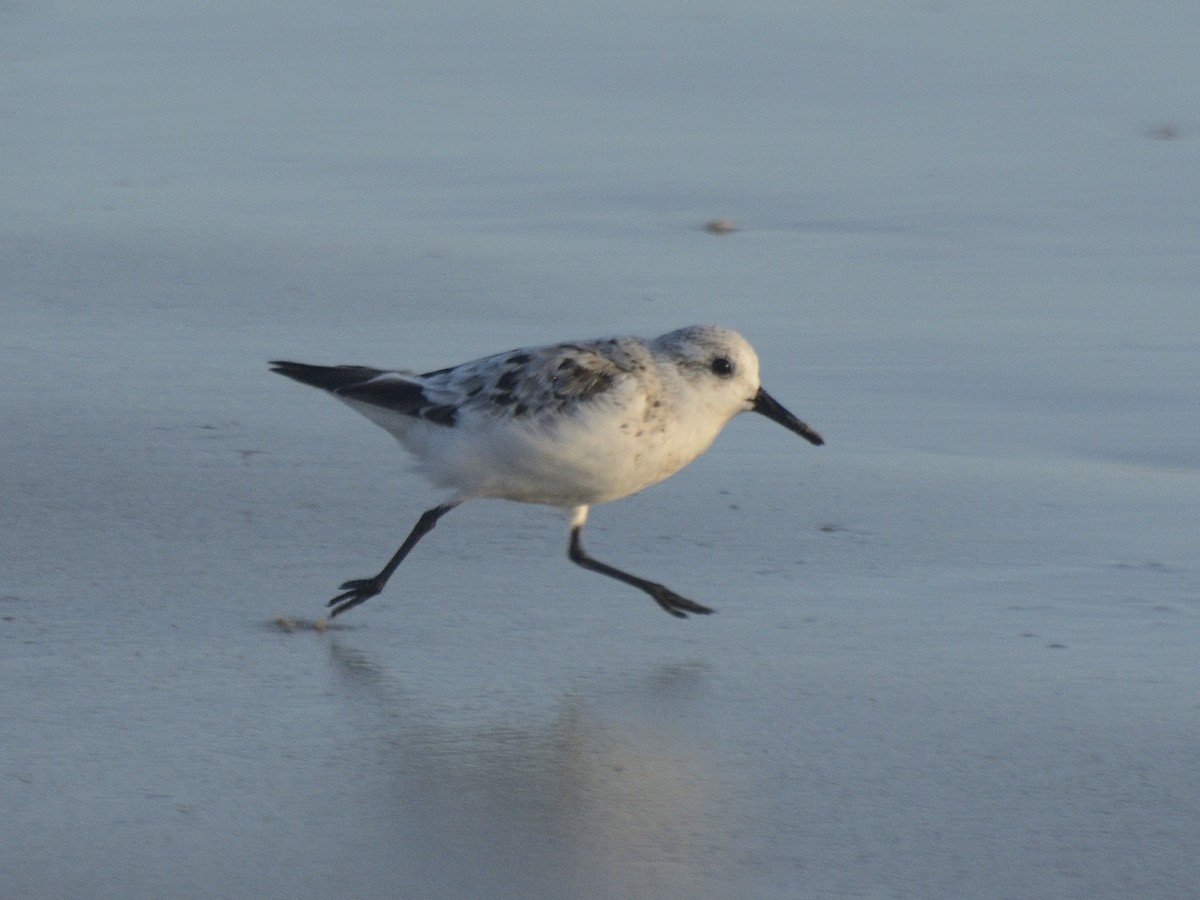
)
(722, 366)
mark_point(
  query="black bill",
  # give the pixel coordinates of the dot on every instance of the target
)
(766, 405)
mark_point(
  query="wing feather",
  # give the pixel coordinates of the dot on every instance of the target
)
(375, 387)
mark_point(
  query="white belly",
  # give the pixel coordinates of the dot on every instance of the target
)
(571, 463)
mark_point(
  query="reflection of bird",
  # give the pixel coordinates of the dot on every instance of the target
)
(568, 425)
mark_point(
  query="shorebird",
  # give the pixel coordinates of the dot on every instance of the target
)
(567, 425)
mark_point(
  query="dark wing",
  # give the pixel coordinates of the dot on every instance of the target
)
(375, 387)
(575, 374)
(555, 380)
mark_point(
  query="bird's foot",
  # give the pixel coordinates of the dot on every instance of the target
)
(357, 590)
(674, 604)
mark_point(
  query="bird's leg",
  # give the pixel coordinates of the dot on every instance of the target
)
(360, 590)
(670, 601)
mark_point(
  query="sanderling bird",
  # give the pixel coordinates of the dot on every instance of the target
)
(569, 425)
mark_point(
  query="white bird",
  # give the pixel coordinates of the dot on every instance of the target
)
(568, 425)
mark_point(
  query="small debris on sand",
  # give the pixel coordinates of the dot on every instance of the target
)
(286, 624)
(1164, 132)
(720, 226)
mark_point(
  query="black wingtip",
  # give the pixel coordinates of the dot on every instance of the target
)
(328, 378)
